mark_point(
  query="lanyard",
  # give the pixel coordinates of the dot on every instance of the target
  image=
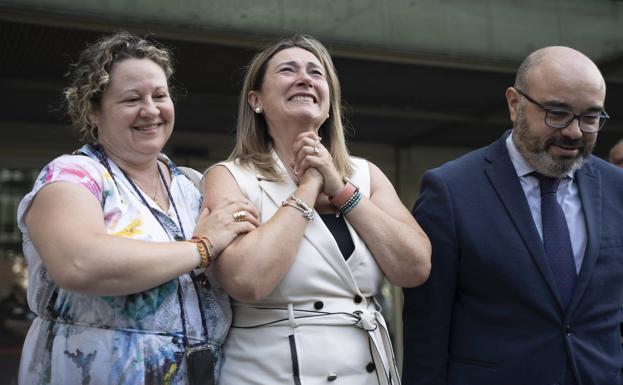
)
(103, 159)
(183, 313)
(176, 229)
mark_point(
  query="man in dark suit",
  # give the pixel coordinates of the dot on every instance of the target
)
(526, 286)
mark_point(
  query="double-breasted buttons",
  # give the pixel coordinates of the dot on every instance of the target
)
(357, 298)
(370, 367)
(318, 305)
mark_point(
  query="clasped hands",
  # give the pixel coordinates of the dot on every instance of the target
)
(313, 163)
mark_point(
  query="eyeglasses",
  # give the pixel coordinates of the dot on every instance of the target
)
(561, 118)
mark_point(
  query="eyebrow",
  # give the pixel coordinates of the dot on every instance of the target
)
(565, 106)
(295, 64)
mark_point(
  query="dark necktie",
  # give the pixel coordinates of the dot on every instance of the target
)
(556, 239)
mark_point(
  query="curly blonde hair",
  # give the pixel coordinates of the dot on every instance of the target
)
(253, 142)
(90, 76)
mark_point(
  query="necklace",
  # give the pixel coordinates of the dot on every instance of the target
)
(155, 196)
(157, 188)
(175, 231)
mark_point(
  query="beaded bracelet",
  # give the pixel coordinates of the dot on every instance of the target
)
(203, 246)
(308, 213)
(347, 193)
(351, 203)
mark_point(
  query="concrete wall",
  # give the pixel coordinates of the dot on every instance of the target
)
(472, 33)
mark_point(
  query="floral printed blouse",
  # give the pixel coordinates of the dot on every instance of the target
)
(130, 339)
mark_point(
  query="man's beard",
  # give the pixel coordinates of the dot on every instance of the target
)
(535, 150)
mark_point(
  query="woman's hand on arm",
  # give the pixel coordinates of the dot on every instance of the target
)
(219, 225)
(253, 264)
(66, 226)
(398, 243)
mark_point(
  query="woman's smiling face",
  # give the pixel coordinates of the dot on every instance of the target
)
(136, 114)
(294, 87)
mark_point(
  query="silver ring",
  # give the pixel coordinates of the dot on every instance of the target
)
(315, 146)
(239, 215)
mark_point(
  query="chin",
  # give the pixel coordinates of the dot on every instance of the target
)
(549, 165)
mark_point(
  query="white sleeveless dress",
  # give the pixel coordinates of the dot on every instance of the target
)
(321, 323)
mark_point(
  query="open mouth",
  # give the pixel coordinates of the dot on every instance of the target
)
(148, 127)
(303, 99)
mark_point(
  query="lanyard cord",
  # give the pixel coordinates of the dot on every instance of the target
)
(103, 159)
(152, 210)
(183, 313)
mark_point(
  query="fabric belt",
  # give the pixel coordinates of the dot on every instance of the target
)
(335, 312)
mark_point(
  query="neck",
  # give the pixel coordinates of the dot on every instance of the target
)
(283, 141)
(140, 167)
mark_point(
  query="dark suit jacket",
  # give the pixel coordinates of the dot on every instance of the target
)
(490, 313)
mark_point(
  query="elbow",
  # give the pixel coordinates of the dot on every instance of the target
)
(419, 270)
(419, 276)
(248, 293)
(247, 289)
(72, 277)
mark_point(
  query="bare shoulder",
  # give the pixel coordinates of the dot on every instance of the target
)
(378, 180)
(218, 183)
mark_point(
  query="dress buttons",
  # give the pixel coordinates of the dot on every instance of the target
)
(357, 298)
(318, 305)
(568, 330)
(332, 377)
(370, 367)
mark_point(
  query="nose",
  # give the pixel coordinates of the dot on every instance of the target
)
(573, 129)
(304, 79)
(149, 109)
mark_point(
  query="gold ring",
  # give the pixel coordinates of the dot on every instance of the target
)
(239, 215)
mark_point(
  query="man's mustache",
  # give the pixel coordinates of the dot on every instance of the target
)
(561, 141)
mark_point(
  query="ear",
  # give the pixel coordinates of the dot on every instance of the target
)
(253, 98)
(94, 118)
(512, 101)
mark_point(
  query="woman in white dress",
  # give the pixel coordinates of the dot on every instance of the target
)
(304, 282)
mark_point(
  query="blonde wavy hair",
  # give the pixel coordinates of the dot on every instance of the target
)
(253, 143)
(91, 75)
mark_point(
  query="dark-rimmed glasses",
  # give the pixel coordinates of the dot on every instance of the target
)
(560, 118)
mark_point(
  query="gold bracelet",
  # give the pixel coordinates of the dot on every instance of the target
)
(203, 246)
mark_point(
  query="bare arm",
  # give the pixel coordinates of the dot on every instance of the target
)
(67, 228)
(253, 265)
(398, 243)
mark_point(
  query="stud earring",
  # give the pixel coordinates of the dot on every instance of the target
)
(258, 110)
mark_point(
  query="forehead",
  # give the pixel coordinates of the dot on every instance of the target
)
(137, 70)
(567, 80)
(294, 54)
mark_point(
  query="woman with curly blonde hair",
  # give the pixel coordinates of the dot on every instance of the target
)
(118, 251)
